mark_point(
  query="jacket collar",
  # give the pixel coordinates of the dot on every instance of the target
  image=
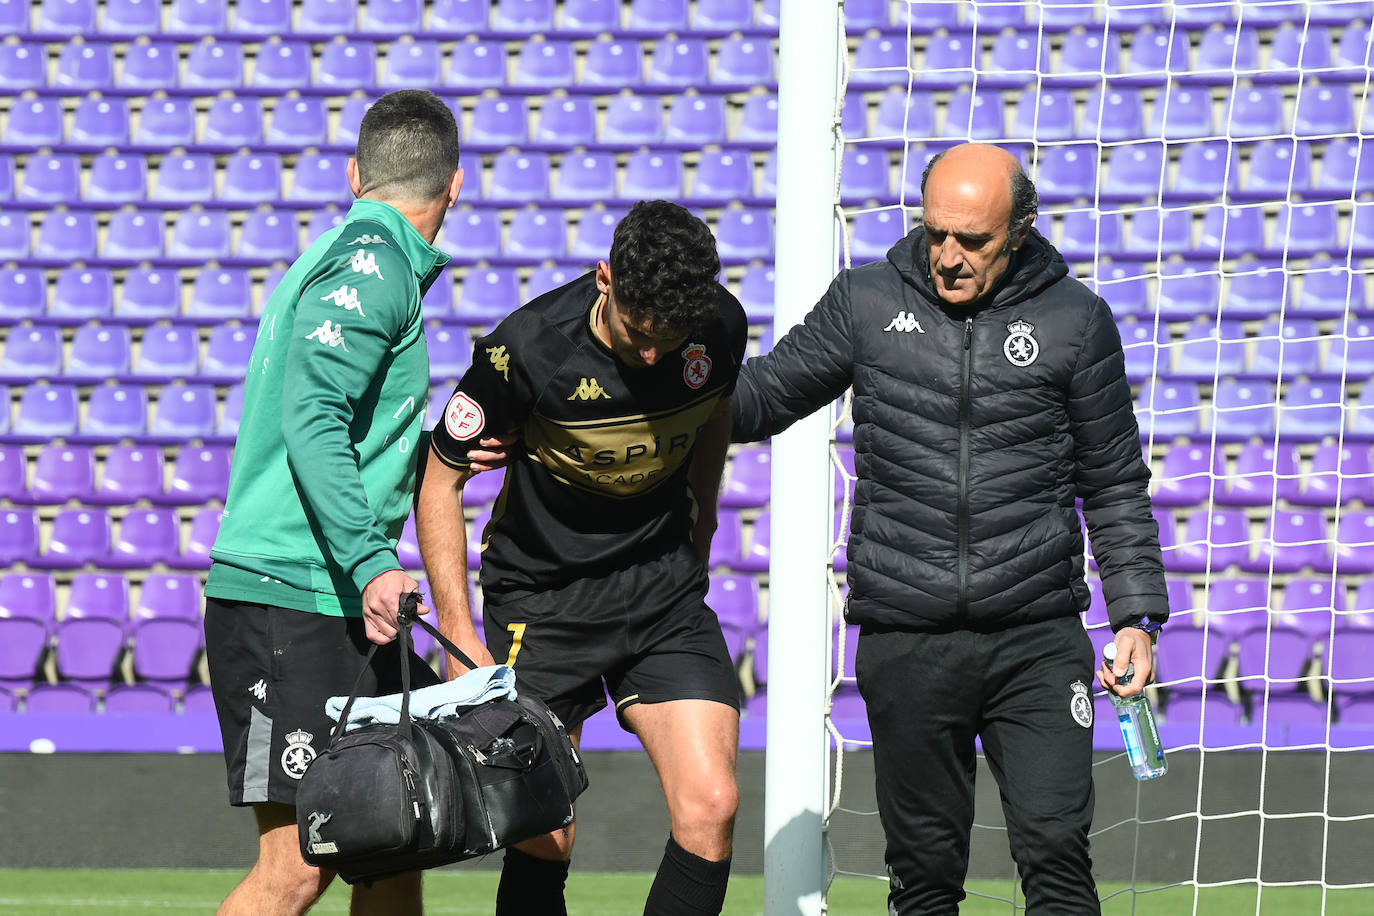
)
(426, 261)
(1036, 266)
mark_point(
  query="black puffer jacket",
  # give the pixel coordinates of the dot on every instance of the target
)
(974, 431)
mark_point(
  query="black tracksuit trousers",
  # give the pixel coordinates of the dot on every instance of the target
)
(928, 695)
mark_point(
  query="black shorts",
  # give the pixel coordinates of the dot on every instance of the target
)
(643, 635)
(271, 670)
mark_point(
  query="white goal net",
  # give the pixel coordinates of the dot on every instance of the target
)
(1203, 166)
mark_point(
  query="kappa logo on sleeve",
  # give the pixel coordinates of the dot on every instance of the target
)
(463, 417)
(329, 334)
(365, 263)
(366, 239)
(346, 297)
(500, 361)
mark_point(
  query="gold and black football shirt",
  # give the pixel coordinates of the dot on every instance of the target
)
(601, 478)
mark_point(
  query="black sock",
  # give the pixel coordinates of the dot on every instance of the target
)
(531, 886)
(687, 884)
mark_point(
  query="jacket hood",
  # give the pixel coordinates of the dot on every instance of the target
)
(1036, 267)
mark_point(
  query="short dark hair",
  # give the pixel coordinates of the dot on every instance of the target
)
(664, 266)
(1025, 202)
(407, 146)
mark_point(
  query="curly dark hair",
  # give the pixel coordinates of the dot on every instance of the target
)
(664, 266)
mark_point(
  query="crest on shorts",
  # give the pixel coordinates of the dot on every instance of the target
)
(1020, 348)
(1081, 705)
(697, 368)
(298, 754)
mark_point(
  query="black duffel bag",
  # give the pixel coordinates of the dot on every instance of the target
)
(386, 799)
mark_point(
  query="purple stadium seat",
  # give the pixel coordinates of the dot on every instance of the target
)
(1262, 474)
(543, 64)
(483, 489)
(1243, 408)
(545, 279)
(758, 551)
(1355, 543)
(864, 175)
(1351, 662)
(1277, 653)
(592, 237)
(168, 597)
(744, 234)
(66, 17)
(34, 122)
(1225, 530)
(657, 15)
(262, 17)
(566, 121)
(34, 351)
(269, 235)
(396, 17)
(476, 529)
(1205, 172)
(199, 700)
(18, 536)
(586, 177)
(523, 16)
(1294, 540)
(138, 699)
(731, 15)
(1065, 172)
(88, 650)
(1235, 604)
(47, 411)
(228, 353)
(950, 58)
(184, 411)
(22, 66)
(131, 17)
(204, 528)
(902, 114)
(22, 293)
(477, 64)
(1166, 232)
(1220, 52)
(696, 119)
(471, 234)
(199, 235)
(130, 473)
(614, 63)
(488, 295)
(14, 229)
(536, 234)
(592, 15)
(519, 176)
(680, 63)
(14, 473)
(1324, 109)
(165, 650)
(1134, 171)
(134, 235)
(1258, 112)
(199, 475)
(1017, 59)
(1046, 116)
(214, 65)
(1339, 474)
(282, 65)
(1312, 410)
(82, 293)
(651, 174)
(97, 596)
(167, 121)
(150, 293)
(101, 121)
(411, 63)
(117, 178)
(221, 293)
(228, 425)
(1286, 349)
(633, 119)
(32, 596)
(347, 64)
(146, 537)
(1277, 167)
(1183, 114)
(735, 599)
(1189, 469)
(1155, 53)
(298, 122)
(747, 478)
(66, 236)
(408, 547)
(874, 232)
(51, 178)
(197, 17)
(973, 116)
(82, 66)
(1257, 291)
(99, 351)
(116, 412)
(1307, 229)
(168, 351)
(61, 473)
(22, 643)
(722, 176)
(62, 699)
(1328, 293)
(328, 17)
(251, 178)
(438, 299)
(322, 219)
(1083, 59)
(1194, 656)
(758, 121)
(745, 62)
(319, 177)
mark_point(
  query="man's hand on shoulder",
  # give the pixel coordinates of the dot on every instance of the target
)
(1133, 647)
(381, 600)
(494, 452)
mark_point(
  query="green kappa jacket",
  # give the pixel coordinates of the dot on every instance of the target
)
(325, 462)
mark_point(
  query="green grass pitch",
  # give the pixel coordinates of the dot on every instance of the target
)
(144, 892)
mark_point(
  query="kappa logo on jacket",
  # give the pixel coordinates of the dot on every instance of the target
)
(906, 323)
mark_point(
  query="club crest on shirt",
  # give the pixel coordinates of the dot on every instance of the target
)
(697, 368)
(1081, 705)
(1020, 348)
(463, 417)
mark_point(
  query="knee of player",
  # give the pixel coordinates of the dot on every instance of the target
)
(711, 802)
(291, 879)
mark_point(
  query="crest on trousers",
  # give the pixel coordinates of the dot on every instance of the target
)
(1020, 348)
(1081, 705)
(298, 754)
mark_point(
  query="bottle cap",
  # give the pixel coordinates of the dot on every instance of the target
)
(1109, 652)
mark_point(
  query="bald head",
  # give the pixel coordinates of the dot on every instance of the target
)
(978, 208)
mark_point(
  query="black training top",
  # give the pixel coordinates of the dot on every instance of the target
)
(601, 480)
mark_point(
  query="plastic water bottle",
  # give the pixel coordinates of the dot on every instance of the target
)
(1136, 717)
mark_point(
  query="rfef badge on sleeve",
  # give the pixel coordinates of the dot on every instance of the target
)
(463, 417)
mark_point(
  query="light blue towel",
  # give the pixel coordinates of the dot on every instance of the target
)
(437, 702)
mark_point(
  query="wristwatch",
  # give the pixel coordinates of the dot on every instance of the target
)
(1151, 627)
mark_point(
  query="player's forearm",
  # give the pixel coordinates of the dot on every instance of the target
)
(708, 465)
(443, 543)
